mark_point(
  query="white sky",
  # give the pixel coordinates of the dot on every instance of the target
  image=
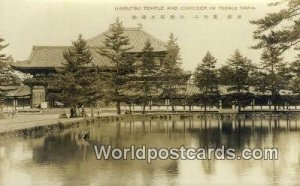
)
(27, 23)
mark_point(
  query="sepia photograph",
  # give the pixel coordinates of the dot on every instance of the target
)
(149, 92)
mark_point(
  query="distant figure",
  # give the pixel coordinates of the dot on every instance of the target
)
(72, 113)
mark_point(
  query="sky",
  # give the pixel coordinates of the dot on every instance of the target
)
(27, 23)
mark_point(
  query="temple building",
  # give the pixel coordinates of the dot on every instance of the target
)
(44, 61)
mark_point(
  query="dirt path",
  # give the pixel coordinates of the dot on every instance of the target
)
(30, 120)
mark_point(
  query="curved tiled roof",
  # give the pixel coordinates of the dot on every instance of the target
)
(20, 91)
(137, 38)
(52, 56)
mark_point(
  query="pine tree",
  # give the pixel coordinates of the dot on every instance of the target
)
(78, 79)
(3, 57)
(238, 69)
(116, 49)
(285, 25)
(207, 80)
(295, 69)
(276, 33)
(149, 72)
(7, 75)
(274, 74)
(171, 71)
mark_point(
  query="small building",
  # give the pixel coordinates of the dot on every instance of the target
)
(17, 96)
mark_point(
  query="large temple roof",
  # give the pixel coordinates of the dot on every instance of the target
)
(43, 57)
(137, 38)
(52, 57)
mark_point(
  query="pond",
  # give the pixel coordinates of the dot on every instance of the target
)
(65, 158)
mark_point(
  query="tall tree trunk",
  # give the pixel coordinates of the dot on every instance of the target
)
(238, 99)
(172, 105)
(273, 86)
(173, 108)
(92, 111)
(130, 111)
(118, 106)
(2, 116)
(274, 101)
(144, 107)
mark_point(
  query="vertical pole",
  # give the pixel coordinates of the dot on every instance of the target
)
(1, 107)
(16, 104)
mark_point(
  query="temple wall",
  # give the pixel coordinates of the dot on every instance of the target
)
(38, 95)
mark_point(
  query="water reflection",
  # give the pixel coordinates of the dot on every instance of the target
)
(68, 159)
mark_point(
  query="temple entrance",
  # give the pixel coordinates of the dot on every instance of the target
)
(38, 95)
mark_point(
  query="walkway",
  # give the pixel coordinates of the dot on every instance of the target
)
(30, 120)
